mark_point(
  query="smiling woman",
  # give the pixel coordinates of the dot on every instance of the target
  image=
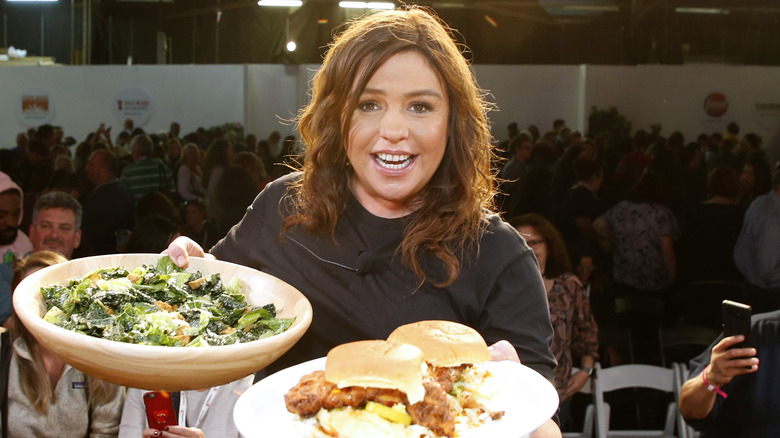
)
(398, 136)
(389, 220)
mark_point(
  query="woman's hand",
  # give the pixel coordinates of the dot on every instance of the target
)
(724, 364)
(182, 248)
(503, 350)
(548, 430)
(575, 383)
(174, 432)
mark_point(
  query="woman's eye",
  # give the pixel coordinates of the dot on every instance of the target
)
(368, 106)
(420, 107)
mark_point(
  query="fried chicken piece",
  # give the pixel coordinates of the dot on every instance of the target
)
(305, 398)
(447, 376)
(436, 411)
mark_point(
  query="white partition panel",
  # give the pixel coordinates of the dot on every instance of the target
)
(263, 97)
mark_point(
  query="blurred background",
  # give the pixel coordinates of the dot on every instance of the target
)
(606, 32)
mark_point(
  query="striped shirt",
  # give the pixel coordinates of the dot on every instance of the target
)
(146, 175)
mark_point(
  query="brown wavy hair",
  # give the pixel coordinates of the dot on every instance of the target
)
(558, 261)
(456, 200)
(33, 378)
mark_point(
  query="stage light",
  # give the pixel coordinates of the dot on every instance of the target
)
(287, 3)
(291, 46)
(366, 5)
(713, 11)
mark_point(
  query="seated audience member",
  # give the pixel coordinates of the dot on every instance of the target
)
(756, 251)
(152, 234)
(702, 256)
(146, 173)
(109, 207)
(56, 223)
(202, 413)
(576, 333)
(189, 175)
(732, 388)
(46, 397)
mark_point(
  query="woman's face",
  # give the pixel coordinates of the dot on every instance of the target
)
(398, 135)
(536, 242)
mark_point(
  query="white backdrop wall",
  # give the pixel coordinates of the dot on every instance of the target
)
(264, 98)
(83, 97)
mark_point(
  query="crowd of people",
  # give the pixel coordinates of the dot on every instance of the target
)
(401, 204)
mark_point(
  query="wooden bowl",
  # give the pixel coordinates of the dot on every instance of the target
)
(158, 367)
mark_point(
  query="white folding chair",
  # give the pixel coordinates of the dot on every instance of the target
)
(683, 429)
(633, 376)
(587, 425)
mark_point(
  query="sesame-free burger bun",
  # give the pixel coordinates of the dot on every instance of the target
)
(377, 364)
(444, 343)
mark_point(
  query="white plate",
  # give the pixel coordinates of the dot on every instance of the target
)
(526, 397)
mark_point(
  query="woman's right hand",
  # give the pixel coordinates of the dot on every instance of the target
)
(182, 248)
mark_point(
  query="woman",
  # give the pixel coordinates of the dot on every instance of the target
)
(576, 334)
(188, 177)
(389, 220)
(643, 231)
(48, 398)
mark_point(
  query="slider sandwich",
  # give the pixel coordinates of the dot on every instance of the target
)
(372, 389)
(453, 353)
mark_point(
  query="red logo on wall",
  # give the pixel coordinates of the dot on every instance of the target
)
(716, 105)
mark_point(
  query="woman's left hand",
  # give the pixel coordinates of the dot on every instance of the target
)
(575, 383)
(503, 350)
(174, 432)
(548, 430)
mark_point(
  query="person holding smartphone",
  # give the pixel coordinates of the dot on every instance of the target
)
(195, 414)
(727, 393)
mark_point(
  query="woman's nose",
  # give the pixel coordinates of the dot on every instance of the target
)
(394, 127)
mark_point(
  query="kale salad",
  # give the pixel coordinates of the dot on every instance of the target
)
(160, 305)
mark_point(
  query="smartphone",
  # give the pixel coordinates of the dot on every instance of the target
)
(736, 320)
(159, 410)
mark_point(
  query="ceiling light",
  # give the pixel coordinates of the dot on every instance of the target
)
(366, 5)
(717, 11)
(592, 8)
(291, 46)
(288, 3)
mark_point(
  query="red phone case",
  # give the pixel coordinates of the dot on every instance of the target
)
(159, 410)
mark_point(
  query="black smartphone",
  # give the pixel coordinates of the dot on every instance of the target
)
(159, 410)
(736, 320)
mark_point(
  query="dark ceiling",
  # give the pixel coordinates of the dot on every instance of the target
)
(618, 32)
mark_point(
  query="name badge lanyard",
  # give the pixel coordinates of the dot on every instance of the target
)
(203, 409)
